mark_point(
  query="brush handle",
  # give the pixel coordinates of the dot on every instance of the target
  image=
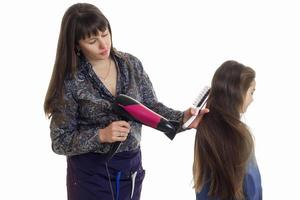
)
(191, 119)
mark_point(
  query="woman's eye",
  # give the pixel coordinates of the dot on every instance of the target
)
(92, 41)
(104, 35)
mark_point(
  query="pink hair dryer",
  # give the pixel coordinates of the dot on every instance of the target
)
(132, 110)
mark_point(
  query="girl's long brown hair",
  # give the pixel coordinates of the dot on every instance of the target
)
(223, 144)
(79, 21)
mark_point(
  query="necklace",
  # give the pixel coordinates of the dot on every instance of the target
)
(108, 71)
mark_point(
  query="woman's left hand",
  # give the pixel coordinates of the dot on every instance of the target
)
(193, 111)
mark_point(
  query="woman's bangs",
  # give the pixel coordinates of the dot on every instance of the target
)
(89, 25)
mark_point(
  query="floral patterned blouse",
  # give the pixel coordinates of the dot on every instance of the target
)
(74, 125)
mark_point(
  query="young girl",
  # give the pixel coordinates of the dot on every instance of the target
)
(224, 161)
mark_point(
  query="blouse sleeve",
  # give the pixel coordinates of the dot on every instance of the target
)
(150, 100)
(66, 137)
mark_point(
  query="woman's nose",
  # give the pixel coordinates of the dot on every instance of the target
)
(102, 44)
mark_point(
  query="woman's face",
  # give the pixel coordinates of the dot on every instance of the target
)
(96, 47)
(249, 96)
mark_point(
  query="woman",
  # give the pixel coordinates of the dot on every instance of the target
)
(88, 74)
(224, 161)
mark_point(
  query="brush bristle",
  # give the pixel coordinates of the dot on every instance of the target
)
(202, 96)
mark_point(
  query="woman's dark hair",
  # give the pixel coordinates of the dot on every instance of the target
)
(223, 144)
(81, 20)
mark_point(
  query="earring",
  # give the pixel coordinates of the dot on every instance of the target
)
(78, 52)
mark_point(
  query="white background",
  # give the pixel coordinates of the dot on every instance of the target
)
(180, 43)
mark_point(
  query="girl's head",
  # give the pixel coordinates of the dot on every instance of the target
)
(223, 144)
(232, 87)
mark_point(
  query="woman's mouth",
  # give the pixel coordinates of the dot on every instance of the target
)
(103, 53)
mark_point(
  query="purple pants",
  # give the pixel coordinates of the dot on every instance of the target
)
(90, 177)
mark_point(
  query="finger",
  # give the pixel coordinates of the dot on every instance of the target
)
(124, 135)
(117, 126)
(117, 133)
(203, 111)
(123, 129)
(193, 111)
(120, 134)
(119, 138)
(124, 124)
(199, 118)
(122, 139)
(196, 122)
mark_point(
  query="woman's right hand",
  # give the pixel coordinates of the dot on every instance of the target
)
(117, 131)
(193, 111)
